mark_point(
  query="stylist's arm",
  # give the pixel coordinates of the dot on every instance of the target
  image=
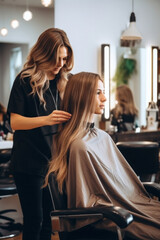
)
(19, 122)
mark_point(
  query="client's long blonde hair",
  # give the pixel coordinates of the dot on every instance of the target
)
(79, 100)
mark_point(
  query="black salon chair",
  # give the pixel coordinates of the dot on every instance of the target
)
(9, 227)
(119, 216)
(143, 157)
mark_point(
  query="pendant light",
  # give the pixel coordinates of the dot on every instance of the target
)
(27, 15)
(4, 31)
(131, 33)
(46, 3)
(14, 23)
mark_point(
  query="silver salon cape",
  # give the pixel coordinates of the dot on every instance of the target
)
(98, 174)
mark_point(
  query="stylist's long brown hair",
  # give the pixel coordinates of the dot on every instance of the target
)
(43, 57)
(79, 100)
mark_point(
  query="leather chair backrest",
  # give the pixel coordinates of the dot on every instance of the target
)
(59, 200)
(143, 156)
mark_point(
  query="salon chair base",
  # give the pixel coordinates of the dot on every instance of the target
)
(10, 230)
(9, 226)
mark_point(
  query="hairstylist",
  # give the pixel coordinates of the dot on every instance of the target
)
(34, 115)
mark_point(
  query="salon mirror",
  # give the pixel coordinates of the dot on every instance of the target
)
(140, 79)
(135, 77)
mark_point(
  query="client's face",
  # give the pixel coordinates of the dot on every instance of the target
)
(100, 98)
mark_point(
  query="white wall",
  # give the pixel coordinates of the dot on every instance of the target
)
(90, 23)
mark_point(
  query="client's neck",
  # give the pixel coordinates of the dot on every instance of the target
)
(91, 120)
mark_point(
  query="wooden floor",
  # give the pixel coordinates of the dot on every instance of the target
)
(19, 237)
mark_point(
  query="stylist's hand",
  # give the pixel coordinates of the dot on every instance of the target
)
(57, 117)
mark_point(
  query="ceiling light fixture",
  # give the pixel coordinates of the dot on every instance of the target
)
(4, 31)
(27, 15)
(46, 3)
(131, 33)
(14, 23)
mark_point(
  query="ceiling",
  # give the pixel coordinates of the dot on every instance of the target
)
(31, 3)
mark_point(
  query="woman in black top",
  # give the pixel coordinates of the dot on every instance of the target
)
(125, 112)
(34, 115)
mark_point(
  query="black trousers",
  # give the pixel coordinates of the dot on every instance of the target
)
(36, 206)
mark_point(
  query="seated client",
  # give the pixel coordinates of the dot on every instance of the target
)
(90, 168)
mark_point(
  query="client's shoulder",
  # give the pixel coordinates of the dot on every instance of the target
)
(78, 144)
(102, 133)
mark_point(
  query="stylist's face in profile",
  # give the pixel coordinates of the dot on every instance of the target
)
(62, 59)
(100, 98)
(63, 54)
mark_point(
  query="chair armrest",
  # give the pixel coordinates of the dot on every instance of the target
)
(153, 188)
(118, 215)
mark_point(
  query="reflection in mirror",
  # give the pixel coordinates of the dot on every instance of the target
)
(137, 80)
(12, 58)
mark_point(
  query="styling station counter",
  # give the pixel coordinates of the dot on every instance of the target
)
(144, 135)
